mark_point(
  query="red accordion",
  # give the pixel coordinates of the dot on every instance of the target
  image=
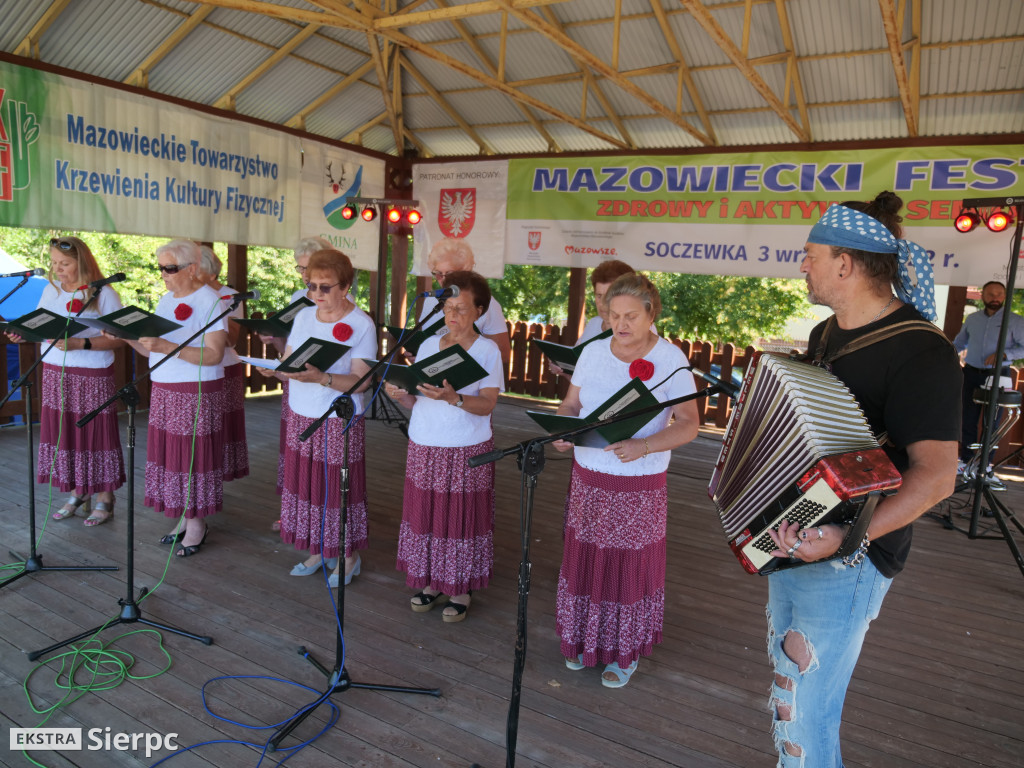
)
(797, 448)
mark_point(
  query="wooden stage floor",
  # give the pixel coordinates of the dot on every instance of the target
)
(940, 683)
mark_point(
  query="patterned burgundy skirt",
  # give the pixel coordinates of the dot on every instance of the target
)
(303, 522)
(89, 458)
(446, 540)
(282, 438)
(175, 481)
(611, 588)
(236, 449)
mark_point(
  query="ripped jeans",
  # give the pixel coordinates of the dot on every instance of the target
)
(821, 612)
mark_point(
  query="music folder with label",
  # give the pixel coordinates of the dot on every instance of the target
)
(632, 397)
(319, 353)
(132, 323)
(412, 341)
(279, 324)
(454, 364)
(41, 325)
(563, 356)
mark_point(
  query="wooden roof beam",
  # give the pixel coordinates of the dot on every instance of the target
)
(714, 30)
(893, 29)
(485, 148)
(29, 45)
(298, 120)
(227, 101)
(140, 76)
(685, 76)
(454, 13)
(356, 136)
(579, 52)
(792, 66)
(378, 57)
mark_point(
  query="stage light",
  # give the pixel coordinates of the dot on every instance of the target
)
(394, 215)
(348, 212)
(997, 221)
(414, 216)
(369, 213)
(966, 221)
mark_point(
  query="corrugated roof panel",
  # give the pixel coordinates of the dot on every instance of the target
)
(698, 49)
(444, 143)
(662, 88)
(322, 50)
(287, 89)
(351, 37)
(659, 133)
(880, 120)
(848, 79)
(19, 18)
(533, 56)
(565, 97)
(765, 34)
(425, 112)
(973, 115)
(345, 113)
(265, 29)
(761, 127)
(963, 69)
(380, 139)
(837, 27)
(443, 77)
(588, 10)
(107, 39)
(954, 20)
(514, 139)
(185, 72)
(573, 140)
(724, 89)
(485, 107)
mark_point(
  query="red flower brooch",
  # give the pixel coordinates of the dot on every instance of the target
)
(182, 312)
(641, 369)
(343, 331)
(74, 306)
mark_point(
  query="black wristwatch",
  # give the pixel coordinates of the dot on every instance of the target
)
(459, 403)
(86, 343)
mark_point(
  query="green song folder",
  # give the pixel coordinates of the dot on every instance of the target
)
(563, 356)
(632, 397)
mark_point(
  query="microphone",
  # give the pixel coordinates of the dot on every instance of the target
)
(727, 387)
(37, 272)
(119, 277)
(238, 298)
(441, 293)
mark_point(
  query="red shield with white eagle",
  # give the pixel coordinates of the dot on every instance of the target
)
(533, 240)
(456, 212)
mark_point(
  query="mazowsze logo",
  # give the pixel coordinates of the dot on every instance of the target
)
(583, 250)
(457, 212)
(19, 130)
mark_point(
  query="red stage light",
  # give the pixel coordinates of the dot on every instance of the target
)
(369, 213)
(967, 221)
(348, 213)
(997, 221)
(414, 217)
(394, 215)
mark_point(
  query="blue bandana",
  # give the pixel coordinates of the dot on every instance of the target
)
(846, 228)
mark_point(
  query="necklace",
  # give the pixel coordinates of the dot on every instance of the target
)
(882, 312)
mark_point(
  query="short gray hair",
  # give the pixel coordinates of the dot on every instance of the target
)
(639, 287)
(185, 252)
(307, 246)
(208, 261)
(451, 249)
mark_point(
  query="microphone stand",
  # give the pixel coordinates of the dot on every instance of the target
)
(130, 612)
(34, 561)
(530, 459)
(338, 680)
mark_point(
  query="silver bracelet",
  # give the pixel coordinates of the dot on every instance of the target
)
(857, 557)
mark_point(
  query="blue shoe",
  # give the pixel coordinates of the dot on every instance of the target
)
(356, 570)
(621, 675)
(301, 569)
(575, 664)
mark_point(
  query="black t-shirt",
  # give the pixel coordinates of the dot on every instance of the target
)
(908, 387)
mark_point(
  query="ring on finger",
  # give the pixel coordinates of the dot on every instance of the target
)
(820, 534)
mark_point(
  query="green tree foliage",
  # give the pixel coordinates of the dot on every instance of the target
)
(707, 307)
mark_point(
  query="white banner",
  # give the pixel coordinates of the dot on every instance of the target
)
(463, 201)
(331, 175)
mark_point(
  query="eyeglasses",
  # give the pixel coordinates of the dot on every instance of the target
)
(456, 310)
(324, 288)
(63, 244)
(441, 275)
(170, 269)
(300, 269)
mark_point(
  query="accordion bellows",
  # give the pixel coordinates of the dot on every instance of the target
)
(797, 448)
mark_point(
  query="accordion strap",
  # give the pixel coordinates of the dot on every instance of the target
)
(868, 339)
